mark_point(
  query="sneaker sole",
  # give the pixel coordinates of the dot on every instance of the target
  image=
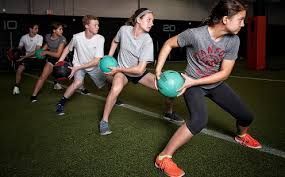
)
(106, 133)
(166, 173)
(241, 143)
(121, 104)
(61, 114)
(84, 93)
(173, 121)
(33, 101)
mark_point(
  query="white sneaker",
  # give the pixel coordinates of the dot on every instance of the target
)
(16, 90)
(57, 86)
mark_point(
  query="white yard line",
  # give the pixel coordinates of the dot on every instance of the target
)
(209, 132)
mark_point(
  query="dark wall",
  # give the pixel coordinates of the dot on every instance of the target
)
(161, 31)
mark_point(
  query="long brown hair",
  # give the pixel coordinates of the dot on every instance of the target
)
(224, 8)
(132, 20)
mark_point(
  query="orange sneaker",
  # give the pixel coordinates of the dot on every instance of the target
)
(248, 141)
(165, 164)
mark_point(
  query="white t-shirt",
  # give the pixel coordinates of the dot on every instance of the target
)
(85, 49)
(30, 43)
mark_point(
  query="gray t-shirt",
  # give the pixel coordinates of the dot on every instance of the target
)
(204, 55)
(53, 44)
(133, 50)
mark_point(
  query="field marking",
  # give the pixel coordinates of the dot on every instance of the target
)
(205, 131)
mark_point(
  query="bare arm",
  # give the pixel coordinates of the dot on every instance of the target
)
(139, 69)
(113, 48)
(223, 74)
(64, 53)
(55, 54)
(29, 55)
(92, 63)
(164, 52)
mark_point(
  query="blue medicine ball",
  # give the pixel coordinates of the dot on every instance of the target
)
(106, 62)
(169, 82)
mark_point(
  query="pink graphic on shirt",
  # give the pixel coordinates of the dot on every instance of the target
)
(209, 60)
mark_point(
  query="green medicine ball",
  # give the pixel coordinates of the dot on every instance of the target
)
(38, 54)
(169, 82)
(106, 62)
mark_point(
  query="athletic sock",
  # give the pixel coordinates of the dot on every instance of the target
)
(160, 157)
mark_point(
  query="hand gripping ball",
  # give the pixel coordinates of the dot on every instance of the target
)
(106, 62)
(38, 54)
(169, 82)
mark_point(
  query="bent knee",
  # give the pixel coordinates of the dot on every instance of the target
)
(196, 126)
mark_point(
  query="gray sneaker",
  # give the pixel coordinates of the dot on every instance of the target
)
(173, 117)
(104, 128)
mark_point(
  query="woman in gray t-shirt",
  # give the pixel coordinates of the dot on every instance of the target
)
(53, 48)
(136, 51)
(211, 52)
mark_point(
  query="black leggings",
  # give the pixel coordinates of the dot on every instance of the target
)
(223, 96)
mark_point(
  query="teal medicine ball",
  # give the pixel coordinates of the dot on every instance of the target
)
(38, 54)
(169, 82)
(106, 62)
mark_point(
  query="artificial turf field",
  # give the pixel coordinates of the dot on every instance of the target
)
(35, 142)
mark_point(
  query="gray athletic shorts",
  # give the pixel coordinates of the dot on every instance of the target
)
(96, 75)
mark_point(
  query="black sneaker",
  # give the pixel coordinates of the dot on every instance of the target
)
(84, 92)
(173, 117)
(34, 99)
(59, 109)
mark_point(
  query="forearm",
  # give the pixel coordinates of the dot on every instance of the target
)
(53, 54)
(136, 70)
(214, 78)
(92, 63)
(165, 50)
(29, 55)
(64, 54)
(113, 48)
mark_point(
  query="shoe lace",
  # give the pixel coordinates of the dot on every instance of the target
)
(248, 139)
(104, 125)
(167, 163)
(59, 107)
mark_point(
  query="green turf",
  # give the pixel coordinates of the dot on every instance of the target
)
(35, 142)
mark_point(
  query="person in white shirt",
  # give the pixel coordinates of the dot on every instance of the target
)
(30, 42)
(88, 49)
